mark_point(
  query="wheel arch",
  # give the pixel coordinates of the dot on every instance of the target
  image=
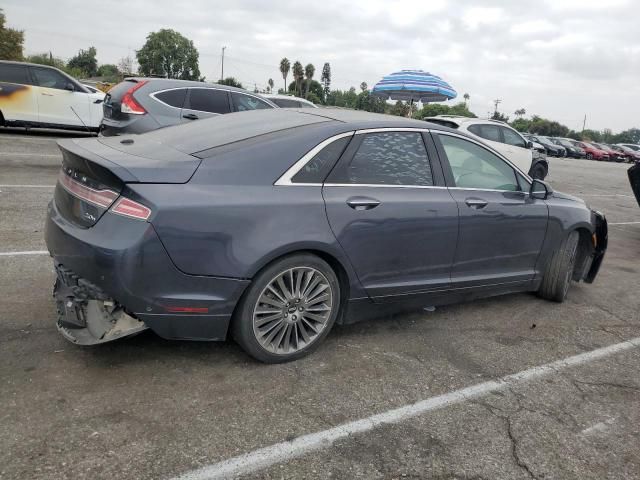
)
(585, 249)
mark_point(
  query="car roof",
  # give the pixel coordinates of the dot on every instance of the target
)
(173, 82)
(221, 130)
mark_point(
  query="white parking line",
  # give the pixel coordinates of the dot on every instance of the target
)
(15, 154)
(27, 186)
(623, 223)
(25, 252)
(282, 452)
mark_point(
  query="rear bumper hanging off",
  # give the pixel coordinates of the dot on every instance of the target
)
(86, 316)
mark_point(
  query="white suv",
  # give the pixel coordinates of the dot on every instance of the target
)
(42, 96)
(502, 138)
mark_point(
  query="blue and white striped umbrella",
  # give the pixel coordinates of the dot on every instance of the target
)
(414, 85)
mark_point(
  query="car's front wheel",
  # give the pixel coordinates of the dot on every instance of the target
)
(589, 156)
(557, 279)
(288, 309)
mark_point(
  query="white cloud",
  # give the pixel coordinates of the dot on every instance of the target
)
(556, 58)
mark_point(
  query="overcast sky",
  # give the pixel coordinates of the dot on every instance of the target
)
(560, 59)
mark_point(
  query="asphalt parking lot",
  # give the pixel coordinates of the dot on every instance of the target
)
(146, 408)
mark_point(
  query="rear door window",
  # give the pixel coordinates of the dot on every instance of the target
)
(208, 100)
(242, 102)
(173, 98)
(14, 74)
(390, 158)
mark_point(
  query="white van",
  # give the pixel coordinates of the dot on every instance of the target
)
(42, 96)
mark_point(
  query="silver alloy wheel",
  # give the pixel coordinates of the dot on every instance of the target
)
(292, 310)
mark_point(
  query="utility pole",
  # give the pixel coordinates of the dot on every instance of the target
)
(496, 102)
(222, 73)
(584, 122)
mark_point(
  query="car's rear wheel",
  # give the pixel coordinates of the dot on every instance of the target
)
(557, 279)
(288, 309)
(539, 171)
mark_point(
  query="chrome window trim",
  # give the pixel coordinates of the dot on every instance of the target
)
(381, 185)
(486, 147)
(285, 178)
(391, 129)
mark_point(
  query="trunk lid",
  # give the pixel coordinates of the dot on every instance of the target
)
(95, 171)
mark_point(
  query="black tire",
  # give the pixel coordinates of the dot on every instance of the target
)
(557, 278)
(539, 171)
(589, 156)
(243, 321)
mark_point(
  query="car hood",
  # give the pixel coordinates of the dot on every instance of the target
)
(566, 196)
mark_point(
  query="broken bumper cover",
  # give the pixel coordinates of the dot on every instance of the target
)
(600, 245)
(86, 316)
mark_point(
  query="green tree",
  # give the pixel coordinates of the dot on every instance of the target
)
(11, 41)
(309, 71)
(298, 76)
(270, 83)
(466, 97)
(628, 136)
(521, 112)
(364, 87)
(232, 82)
(499, 116)
(285, 65)
(169, 54)
(46, 59)
(85, 61)
(434, 109)
(326, 80)
(109, 71)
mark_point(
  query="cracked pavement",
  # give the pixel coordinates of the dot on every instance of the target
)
(146, 408)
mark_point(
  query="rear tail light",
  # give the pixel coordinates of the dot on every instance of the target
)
(129, 104)
(99, 198)
(129, 208)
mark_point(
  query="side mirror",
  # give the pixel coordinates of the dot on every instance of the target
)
(69, 86)
(540, 190)
(529, 144)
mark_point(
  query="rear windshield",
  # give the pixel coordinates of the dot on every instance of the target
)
(120, 89)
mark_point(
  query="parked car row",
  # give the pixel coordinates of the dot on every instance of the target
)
(42, 96)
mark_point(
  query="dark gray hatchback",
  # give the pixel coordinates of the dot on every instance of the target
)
(139, 105)
(275, 224)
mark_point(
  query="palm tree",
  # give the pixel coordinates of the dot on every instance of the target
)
(270, 82)
(309, 70)
(285, 65)
(521, 112)
(466, 98)
(364, 86)
(298, 75)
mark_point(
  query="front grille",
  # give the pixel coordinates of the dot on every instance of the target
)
(81, 288)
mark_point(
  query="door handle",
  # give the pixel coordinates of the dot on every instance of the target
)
(190, 116)
(476, 203)
(47, 94)
(363, 203)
